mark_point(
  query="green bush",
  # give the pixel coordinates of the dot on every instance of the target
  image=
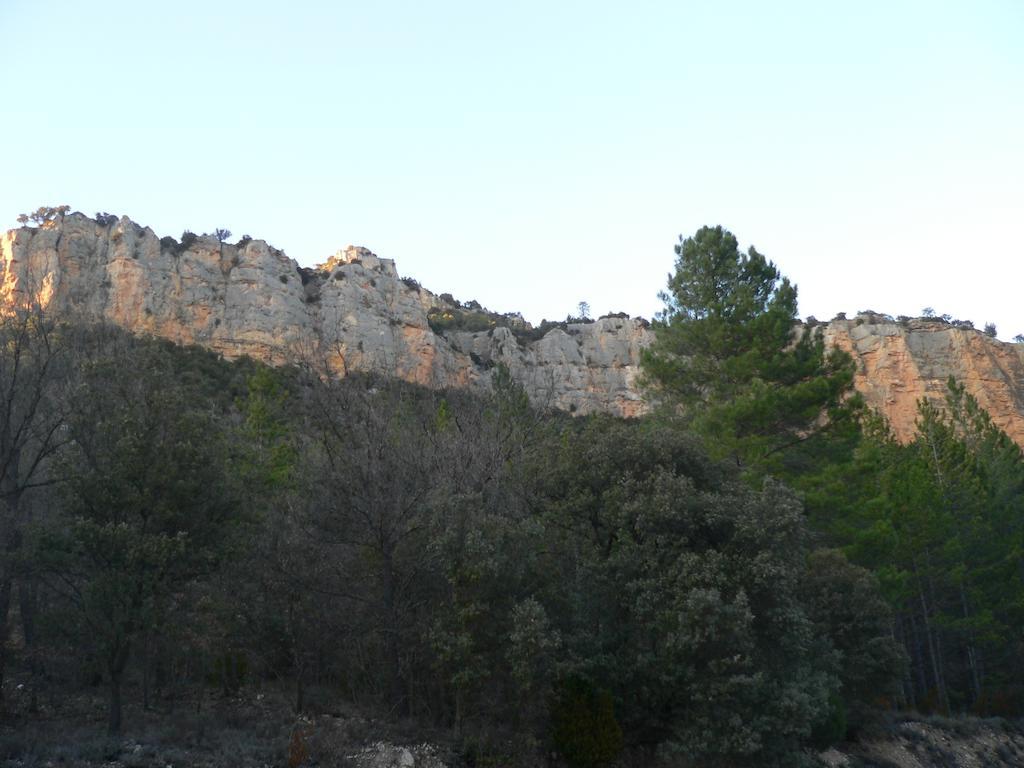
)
(230, 670)
(527, 335)
(583, 725)
(831, 729)
(451, 319)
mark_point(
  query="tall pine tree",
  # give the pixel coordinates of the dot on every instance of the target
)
(731, 357)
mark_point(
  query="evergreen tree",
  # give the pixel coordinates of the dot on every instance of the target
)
(730, 355)
(940, 524)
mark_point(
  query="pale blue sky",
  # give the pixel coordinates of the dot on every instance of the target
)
(534, 154)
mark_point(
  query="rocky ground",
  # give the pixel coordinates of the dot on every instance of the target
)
(922, 742)
(258, 730)
(255, 730)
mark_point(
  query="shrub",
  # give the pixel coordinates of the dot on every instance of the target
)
(445, 319)
(583, 725)
(230, 670)
(45, 216)
(527, 335)
(283, 278)
(479, 362)
(188, 239)
(105, 219)
(1000, 702)
(297, 751)
(169, 244)
(831, 729)
(411, 283)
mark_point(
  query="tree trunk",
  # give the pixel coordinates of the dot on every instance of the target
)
(117, 662)
(907, 697)
(934, 649)
(147, 660)
(5, 605)
(300, 691)
(917, 657)
(972, 654)
(28, 598)
(396, 688)
(298, 658)
(114, 719)
(457, 725)
(10, 542)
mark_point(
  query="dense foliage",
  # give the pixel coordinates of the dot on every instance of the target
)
(943, 526)
(937, 521)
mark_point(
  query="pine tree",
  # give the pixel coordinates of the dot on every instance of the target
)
(731, 356)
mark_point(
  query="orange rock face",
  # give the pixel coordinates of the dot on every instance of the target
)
(900, 363)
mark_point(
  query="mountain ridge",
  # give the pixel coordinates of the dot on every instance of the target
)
(354, 312)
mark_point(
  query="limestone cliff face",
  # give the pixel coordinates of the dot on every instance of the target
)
(899, 363)
(353, 312)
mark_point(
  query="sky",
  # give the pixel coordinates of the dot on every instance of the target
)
(533, 155)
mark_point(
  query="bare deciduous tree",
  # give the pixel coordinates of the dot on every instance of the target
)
(34, 355)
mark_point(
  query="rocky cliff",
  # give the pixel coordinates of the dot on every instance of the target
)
(899, 362)
(354, 312)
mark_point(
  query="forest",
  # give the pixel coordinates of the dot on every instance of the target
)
(753, 571)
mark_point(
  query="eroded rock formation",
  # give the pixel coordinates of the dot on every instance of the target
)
(354, 312)
(900, 362)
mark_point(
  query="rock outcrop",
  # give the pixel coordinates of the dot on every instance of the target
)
(900, 362)
(354, 313)
(913, 741)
